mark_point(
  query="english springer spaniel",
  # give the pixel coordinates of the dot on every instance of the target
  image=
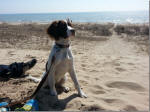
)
(60, 60)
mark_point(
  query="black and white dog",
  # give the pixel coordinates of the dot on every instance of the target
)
(60, 60)
(16, 69)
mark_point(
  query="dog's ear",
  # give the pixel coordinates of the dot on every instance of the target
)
(52, 30)
(69, 22)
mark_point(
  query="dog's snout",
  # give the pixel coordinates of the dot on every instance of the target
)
(71, 31)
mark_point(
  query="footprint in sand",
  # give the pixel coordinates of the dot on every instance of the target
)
(97, 90)
(83, 65)
(113, 101)
(120, 69)
(92, 108)
(112, 63)
(98, 87)
(11, 53)
(30, 56)
(94, 71)
(84, 59)
(96, 79)
(74, 52)
(80, 53)
(117, 64)
(86, 77)
(130, 63)
(97, 63)
(84, 68)
(83, 82)
(84, 56)
(125, 85)
(130, 108)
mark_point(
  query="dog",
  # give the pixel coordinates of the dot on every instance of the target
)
(16, 70)
(60, 60)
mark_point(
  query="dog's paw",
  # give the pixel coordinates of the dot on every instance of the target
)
(53, 93)
(66, 89)
(36, 80)
(82, 94)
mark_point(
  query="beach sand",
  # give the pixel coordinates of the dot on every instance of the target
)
(112, 71)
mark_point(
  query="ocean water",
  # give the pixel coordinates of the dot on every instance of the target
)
(101, 17)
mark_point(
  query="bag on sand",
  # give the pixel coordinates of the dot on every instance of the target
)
(31, 105)
(3, 109)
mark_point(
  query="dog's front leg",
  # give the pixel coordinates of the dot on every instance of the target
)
(76, 83)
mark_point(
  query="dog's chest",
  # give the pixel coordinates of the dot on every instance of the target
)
(65, 59)
(62, 69)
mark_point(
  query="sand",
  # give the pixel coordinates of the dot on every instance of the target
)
(113, 72)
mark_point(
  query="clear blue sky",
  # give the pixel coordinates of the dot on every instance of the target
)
(49, 6)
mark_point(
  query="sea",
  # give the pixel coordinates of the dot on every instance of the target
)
(94, 17)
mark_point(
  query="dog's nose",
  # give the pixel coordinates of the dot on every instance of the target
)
(73, 32)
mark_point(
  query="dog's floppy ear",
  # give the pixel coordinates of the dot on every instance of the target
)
(69, 22)
(52, 30)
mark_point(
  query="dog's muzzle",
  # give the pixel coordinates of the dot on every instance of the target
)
(70, 31)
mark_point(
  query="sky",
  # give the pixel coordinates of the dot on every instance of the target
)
(52, 6)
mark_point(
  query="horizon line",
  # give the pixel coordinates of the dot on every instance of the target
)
(74, 12)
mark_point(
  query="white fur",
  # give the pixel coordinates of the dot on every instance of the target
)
(33, 79)
(69, 28)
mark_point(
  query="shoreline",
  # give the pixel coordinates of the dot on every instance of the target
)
(121, 17)
(44, 23)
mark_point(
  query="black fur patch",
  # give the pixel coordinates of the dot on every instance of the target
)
(57, 30)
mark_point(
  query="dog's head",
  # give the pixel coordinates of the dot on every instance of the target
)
(61, 29)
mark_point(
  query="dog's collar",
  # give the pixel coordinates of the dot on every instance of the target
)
(62, 46)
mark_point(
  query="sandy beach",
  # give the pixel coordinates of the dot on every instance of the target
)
(112, 66)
